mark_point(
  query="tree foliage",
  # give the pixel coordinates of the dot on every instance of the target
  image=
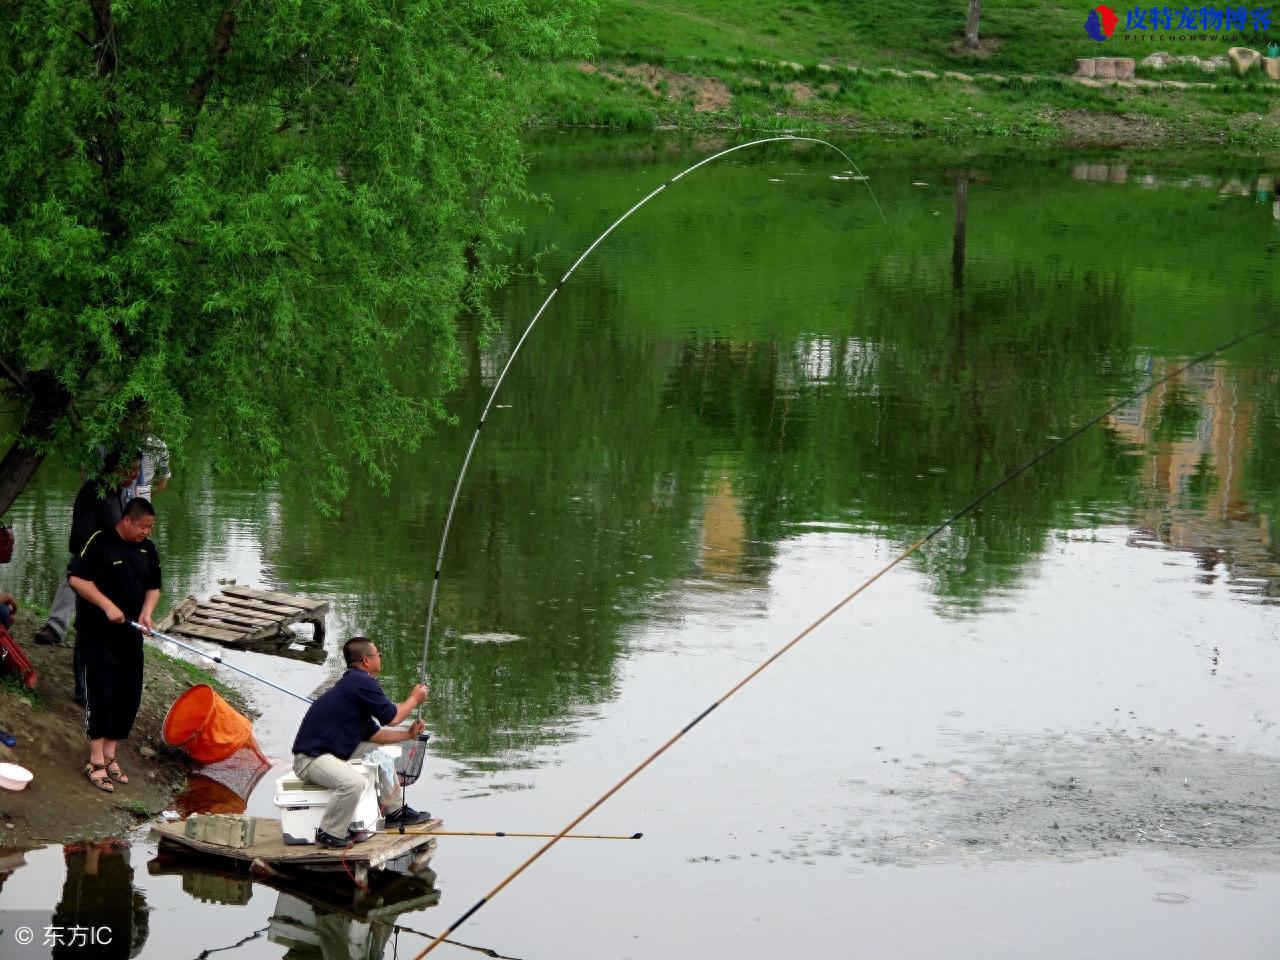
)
(250, 216)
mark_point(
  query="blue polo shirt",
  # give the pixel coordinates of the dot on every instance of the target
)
(347, 713)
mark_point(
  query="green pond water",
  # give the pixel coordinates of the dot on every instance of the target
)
(1050, 733)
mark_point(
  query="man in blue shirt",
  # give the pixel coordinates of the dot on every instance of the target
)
(351, 718)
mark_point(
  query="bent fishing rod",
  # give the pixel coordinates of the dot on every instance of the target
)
(839, 605)
(475, 437)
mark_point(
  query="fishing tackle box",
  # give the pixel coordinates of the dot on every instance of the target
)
(301, 805)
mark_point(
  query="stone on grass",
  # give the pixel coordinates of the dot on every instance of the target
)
(1271, 67)
(1243, 59)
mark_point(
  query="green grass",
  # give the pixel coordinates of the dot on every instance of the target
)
(14, 687)
(765, 97)
(138, 809)
(1020, 36)
(190, 673)
(814, 66)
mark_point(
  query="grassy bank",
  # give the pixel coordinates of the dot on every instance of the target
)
(898, 69)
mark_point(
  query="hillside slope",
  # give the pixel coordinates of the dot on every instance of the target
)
(897, 67)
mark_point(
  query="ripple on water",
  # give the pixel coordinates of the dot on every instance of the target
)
(1241, 883)
(1070, 796)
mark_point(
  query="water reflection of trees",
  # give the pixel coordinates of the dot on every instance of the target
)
(728, 374)
(894, 431)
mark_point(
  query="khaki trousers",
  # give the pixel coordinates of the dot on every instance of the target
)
(347, 783)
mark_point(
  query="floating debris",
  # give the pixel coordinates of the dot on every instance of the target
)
(491, 637)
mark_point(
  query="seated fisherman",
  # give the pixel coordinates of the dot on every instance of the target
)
(353, 717)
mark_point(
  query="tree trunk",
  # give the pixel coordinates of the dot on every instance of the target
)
(50, 402)
(958, 235)
(16, 470)
(971, 25)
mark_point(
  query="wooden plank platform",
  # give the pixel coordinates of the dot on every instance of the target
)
(247, 617)
(269, 850)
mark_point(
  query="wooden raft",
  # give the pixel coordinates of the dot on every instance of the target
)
(269, 854)
(246, 617)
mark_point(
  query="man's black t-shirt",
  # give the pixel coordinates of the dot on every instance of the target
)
(343, 716)
(123, 571)
(91, 512)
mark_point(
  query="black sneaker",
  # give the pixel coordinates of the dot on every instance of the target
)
(359, 836)
(47, 636)
(406, 816)
(331, 842)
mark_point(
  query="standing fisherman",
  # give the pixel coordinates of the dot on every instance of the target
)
(117, 578)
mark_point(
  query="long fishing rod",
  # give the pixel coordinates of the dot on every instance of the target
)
(508, 833)
(475, 437)
(217, 659)
(776, 655)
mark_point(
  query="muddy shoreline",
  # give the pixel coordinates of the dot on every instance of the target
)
(59, 805)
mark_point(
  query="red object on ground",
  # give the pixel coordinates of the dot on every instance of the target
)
(13, 660)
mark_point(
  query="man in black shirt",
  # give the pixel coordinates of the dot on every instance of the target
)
(348, 720)
(99, 503)
(117, 578)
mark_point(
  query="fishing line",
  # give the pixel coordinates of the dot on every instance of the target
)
(475, 437)
(967, 508)
(487, 951)
(203, 954)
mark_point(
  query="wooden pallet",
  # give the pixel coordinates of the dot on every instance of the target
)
(246, 617)
(269, 854)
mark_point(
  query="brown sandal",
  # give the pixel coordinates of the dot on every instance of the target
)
(118, 774)
(103, 782)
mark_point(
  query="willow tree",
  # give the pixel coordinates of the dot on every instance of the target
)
(257, 213)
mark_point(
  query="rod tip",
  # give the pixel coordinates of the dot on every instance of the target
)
(636, 836)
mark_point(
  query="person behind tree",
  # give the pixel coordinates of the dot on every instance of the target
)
(347, 721)
(8, 605)
(98, 505)
(117, 579)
